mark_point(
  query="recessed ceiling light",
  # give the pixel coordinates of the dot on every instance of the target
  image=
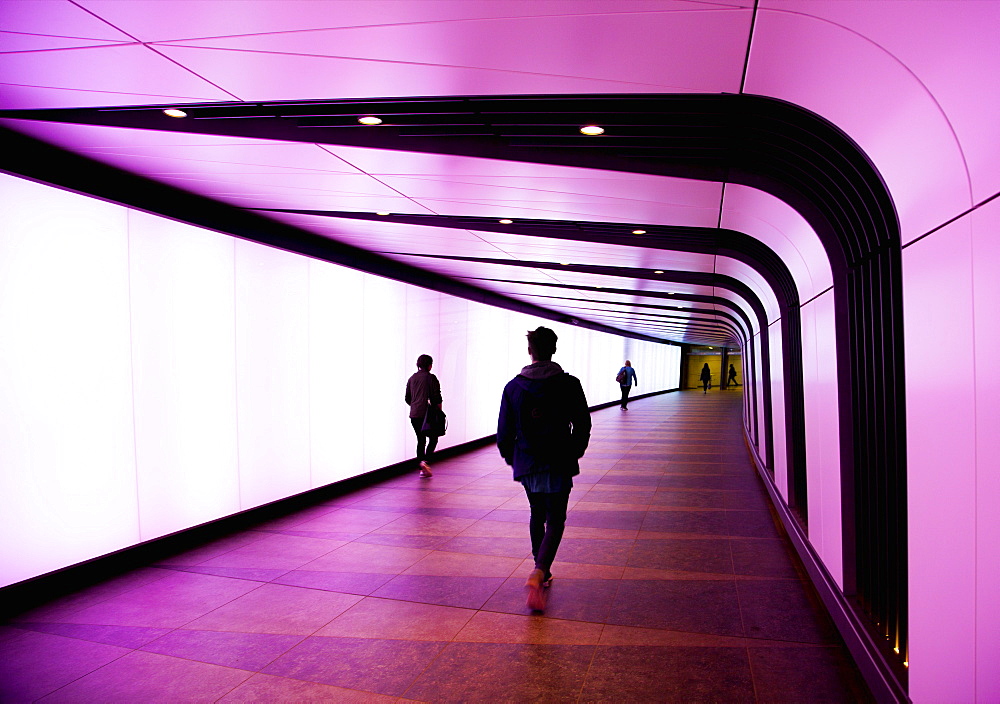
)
(382, 212)
(370, 120)
(638, 232)
(505, 221)
(564, 263)
(592, 130)
(657, 272)
(174, 112)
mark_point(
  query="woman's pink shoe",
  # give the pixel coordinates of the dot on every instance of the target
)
(535, 589)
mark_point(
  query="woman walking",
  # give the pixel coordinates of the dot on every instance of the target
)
(423, 390)
(626, 378)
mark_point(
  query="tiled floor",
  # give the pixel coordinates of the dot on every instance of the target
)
(672, 584)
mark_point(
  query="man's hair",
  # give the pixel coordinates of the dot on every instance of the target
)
(542, 343)
(424, 361)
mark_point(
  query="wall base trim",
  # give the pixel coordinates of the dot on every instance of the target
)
(876, 671)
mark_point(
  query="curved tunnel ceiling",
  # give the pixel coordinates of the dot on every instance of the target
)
(702, 137)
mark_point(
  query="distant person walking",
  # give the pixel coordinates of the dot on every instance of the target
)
(732, 376)
(542, 432)
(423, 390)
(706, 378)
(627, 378)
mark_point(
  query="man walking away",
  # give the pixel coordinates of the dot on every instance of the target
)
(542, 432)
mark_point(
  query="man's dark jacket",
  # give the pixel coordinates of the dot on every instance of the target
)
(544, 423)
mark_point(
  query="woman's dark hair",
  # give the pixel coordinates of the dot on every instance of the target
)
(542, 341)
(424, 361)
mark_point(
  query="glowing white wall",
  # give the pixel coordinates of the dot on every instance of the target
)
(67, 468)
(155, 376)
(182, 302)
(822, 424)
(952, 294)
(778, 427)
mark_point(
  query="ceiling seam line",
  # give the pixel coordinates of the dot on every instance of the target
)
(155, 51)
(404, 196)
(746, 59)
(958, 217)
(824, 291)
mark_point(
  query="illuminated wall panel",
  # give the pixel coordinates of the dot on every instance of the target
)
(819, 371)
(758, 371)
(488, 366)
(941, 458)
(67, 469)
(455, 367)
(336, 372)
(986, 290)
(183, 343)
(778, 411)
(272, 373)
(381, 355)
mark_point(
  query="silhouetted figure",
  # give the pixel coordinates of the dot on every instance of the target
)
(732, 376)
(422, 391)
(706, 378)
(543, 431)
(627, 378)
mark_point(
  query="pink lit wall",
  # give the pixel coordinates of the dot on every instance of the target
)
(925, 112)
(778, 409)
(819, 378)
(952, 296)
(154, 376)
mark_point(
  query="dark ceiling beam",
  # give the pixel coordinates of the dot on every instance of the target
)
(697, 240)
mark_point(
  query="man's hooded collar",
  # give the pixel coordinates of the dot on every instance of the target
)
(541, 370)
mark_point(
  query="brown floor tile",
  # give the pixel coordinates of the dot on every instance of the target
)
(269, 688)
(572, 599)
(489, 627)
(276, 608)
(453, 564)
(668, 674)
(679, 605)
(784, 674)
(689, 522)
(698, 555)
(783, 610)
(595, 551)
(413, 524)
(500, 547)
(368, 664)
(633, 635)
(398, 620)
(365, 557)
(464, 592)
(149, 677)
(764, 558)
(503, 672)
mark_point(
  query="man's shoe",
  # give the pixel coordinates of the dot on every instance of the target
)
(534, 585)
(425, 470)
